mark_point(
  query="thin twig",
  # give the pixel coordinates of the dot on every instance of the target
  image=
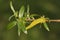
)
(57, 20)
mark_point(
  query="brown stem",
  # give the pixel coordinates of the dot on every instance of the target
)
(58, 20)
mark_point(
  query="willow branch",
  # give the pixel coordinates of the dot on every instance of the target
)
(52, 20)
(57, 20)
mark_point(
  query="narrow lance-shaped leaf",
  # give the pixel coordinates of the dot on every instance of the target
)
(22, 25)
(27, 8)
(19, 27)
(28, 14)
(21, 11)
(46, 26)
(10, 17)
(19, 30)
(24, 28)
(11, 25)
(33, 15)
(12, 8)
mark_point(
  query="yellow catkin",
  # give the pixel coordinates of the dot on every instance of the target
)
(35, 22)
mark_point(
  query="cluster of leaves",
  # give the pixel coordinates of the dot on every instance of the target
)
(22, 17)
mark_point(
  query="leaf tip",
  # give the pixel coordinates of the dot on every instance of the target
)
(25, 32)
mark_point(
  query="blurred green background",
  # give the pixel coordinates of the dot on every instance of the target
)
(49, 8)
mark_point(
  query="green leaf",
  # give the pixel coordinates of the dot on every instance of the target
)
(32, 15)
(23, 28)
(28, 14)
(27, 8)
(46, 26)
(12, 8)
(21, 11)
(19, 28)
(11, 25)
(10, 17)
(21, 25)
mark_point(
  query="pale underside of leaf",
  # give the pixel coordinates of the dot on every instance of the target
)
(21, 11)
